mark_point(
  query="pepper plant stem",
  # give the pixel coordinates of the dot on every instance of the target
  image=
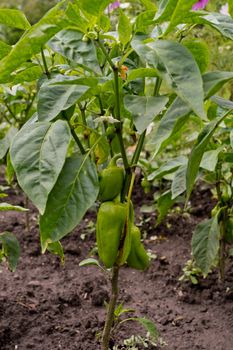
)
(111, 308)
(222, 225)
(118, 107)
(45, 64)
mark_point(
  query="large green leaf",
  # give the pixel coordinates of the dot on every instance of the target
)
(70, 44)
(4, 49)
(184, 78)
(165, 10)
(182, 9)
(178, 113)
(10, 249)
(205, 244)
(179, 181)
(172, 121)
(6, 141)
(144, 109)
(65, 208)
(32, 41)
(173, 11)
(14, 18)
(210, 159)
(30, 72)
(213, 81)
(198, 151)
(222, 23)
(168, 167)
(55, 97)
(94, 7)
(38, 154)
(124, 28)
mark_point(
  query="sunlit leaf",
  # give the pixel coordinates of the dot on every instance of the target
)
(38, 154)
(64, 210)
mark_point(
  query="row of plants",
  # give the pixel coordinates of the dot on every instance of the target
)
(90, 87)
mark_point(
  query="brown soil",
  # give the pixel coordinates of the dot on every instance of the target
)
(44, 305)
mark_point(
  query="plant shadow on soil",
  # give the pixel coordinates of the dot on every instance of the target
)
(45, 305)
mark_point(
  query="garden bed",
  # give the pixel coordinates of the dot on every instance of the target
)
(45, 305)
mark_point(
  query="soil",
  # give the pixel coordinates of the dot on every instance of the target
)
(46, 305)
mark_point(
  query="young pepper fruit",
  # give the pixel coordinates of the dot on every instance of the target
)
(110, 224)
(111, 180)
(137, 258)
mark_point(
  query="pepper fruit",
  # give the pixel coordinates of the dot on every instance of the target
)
(111, 180)
(110, 224)
(137, 258)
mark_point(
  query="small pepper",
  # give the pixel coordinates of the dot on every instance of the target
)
(111, 181)
(110, 224)
(138, 257)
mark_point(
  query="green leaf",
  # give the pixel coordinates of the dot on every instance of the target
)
(210, 159)
(178, 113)
(222, 102)
(205, 244)
(165, 202)
(199, 50)
(77, 18)
(173, 11)
(222, 23)
(230, 7)
(32, 41)
(70, 44)
(213, 81)
(55, 97)
(29, 73)
(179, 181)
(38, 154)
(90, 261)
(167, 168)
(4, 49)
(165, 10)
(172, 121)
(143, 21)
(7, 206)
(94, 7)
(149, 5)
(10, 172)
(185, 79)
(6, 141)
(149, 326)
(57, 249)
(124, 28)
(80, 186)
(182, 9)
(198, 151)
(101, 150)
(141, 73)
(14, 18)
(144, 109)
(10, 248)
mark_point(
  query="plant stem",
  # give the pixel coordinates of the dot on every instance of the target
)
(75, 136)
(46, 71)
(27, 218)
(222, 225)
(133, 163)
(111, 308)
(157, 86)
(118, 126)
